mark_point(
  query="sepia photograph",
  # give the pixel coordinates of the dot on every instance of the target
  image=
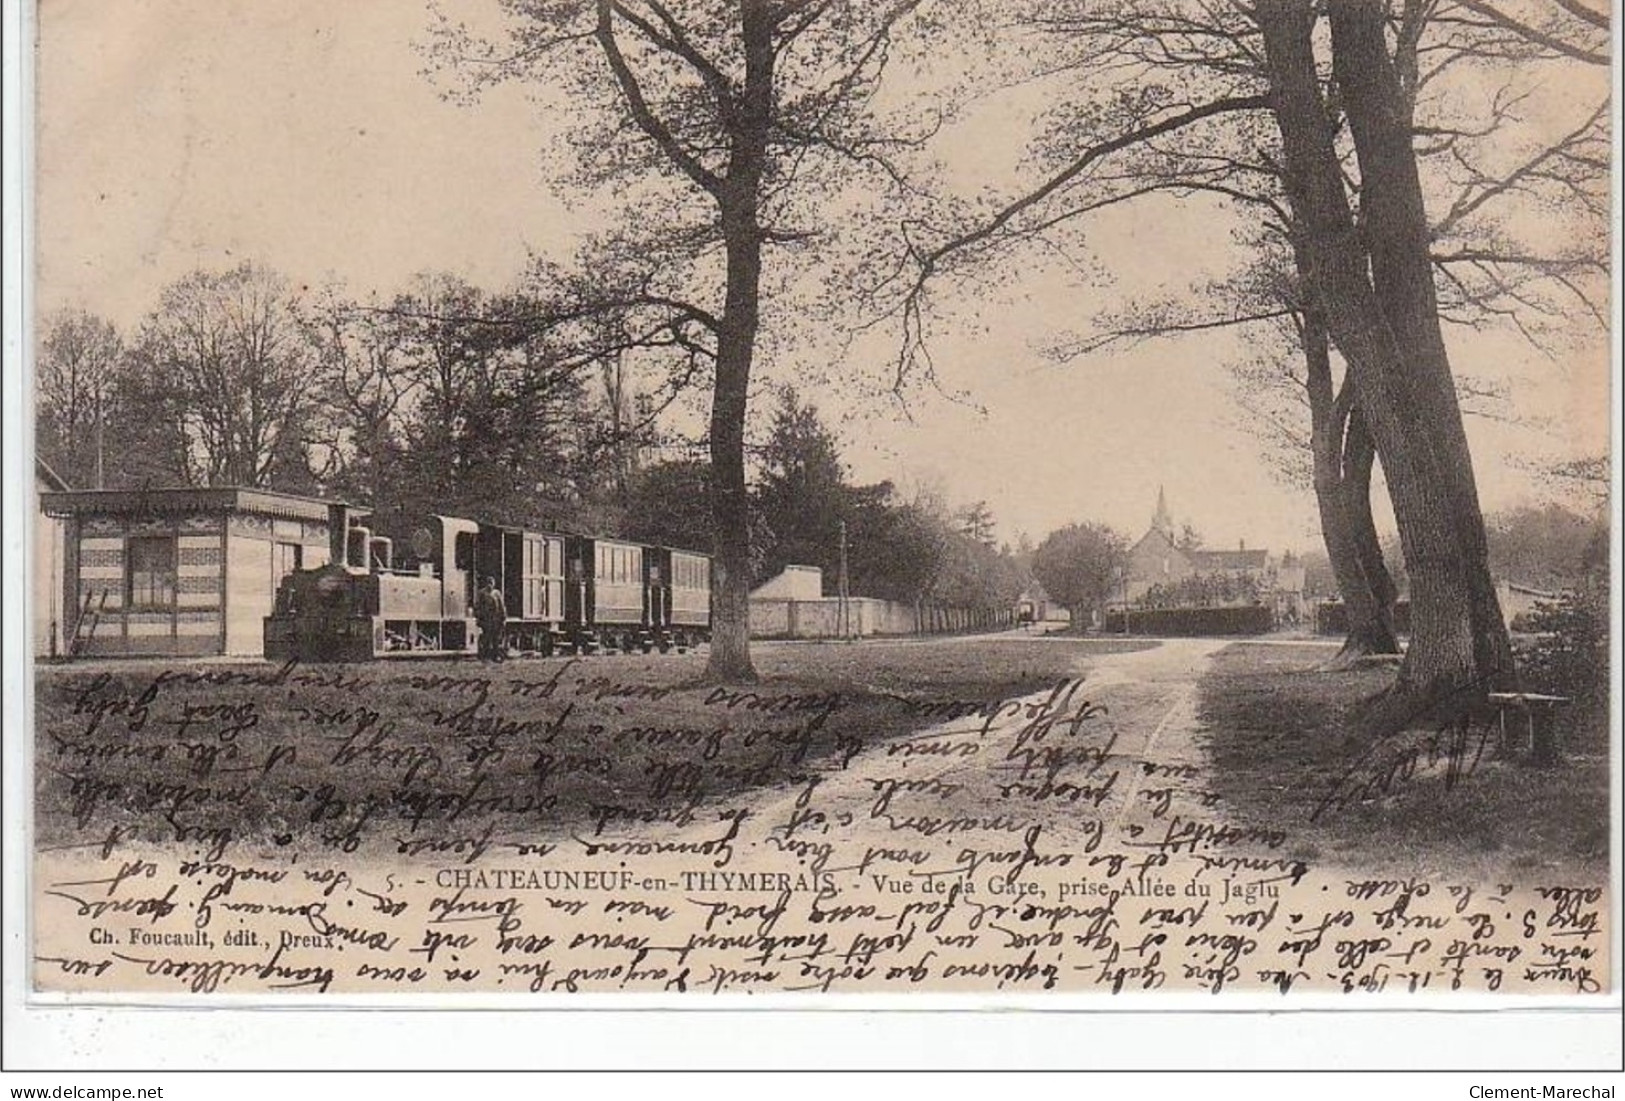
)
(1100, 503)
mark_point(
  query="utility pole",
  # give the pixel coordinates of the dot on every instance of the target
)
(101, 482)
(845, 591)
(1122, 580)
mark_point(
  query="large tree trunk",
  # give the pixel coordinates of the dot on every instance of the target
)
(1397, 236)
(1442, 667)
(730, 502)
(1343, 456)
(736, 345)
(1359, 456)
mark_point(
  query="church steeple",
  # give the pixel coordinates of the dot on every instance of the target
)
(1162, 521)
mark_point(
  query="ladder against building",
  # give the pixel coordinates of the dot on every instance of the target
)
(84, 628)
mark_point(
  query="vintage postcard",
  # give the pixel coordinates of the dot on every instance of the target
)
(538, 498)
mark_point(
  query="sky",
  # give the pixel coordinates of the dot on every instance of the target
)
(174, 134)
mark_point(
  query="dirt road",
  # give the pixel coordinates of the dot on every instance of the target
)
(1068, 839)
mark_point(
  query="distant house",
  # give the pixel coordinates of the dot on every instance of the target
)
(792, 583)
(793, 605)
(1517, 601)
(1035, 606)
(1160, 571)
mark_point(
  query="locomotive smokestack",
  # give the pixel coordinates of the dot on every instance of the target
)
(338, 533)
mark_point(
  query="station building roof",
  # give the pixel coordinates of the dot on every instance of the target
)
(185, 500)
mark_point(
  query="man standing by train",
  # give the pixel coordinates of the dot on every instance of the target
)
(491, 614)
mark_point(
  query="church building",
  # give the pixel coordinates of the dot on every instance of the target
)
(1163, 569)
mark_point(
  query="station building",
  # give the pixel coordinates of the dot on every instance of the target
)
(178, 572)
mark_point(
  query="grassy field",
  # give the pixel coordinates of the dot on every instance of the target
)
(414, 757)
(1285, 752)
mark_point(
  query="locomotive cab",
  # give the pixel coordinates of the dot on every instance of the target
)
(361, 606)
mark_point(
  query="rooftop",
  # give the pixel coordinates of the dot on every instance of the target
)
(181, 500)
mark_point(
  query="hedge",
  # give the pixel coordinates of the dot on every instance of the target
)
(1332, 618)
(1251, 619)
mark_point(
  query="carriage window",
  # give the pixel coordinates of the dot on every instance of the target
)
(151, 573)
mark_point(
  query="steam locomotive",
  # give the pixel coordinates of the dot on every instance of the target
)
(394, 589)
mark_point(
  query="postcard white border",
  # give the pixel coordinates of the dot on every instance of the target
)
(1157, 1033)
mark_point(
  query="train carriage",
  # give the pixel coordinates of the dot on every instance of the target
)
(688, 620)
(610, 605)
(528, 568)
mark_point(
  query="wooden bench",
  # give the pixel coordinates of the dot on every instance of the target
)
(1542, 743)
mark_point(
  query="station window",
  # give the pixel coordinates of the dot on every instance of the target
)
(285, 558)
(151, 573)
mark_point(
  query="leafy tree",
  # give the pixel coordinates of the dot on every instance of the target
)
(451, 393)
(802, 495)
(976, 576)
(103, 420)
(1079, 567)
(81, 357)
(1207, 88)
(1547, 546)
(976, 522)
(908, 551)
(226, 352)
(901, 552)
(669, 504)
(723, 127)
